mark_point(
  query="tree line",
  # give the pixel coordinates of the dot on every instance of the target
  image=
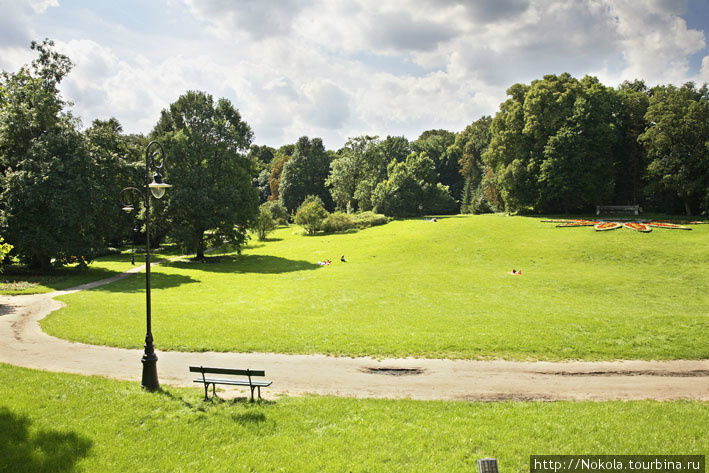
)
(557, 145)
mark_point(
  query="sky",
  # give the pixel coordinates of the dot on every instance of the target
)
(342, 68)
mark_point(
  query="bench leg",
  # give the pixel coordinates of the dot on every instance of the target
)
(214, 390)
(252, 393)
(259, 393)
(206, 387)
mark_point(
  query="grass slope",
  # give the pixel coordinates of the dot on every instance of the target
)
(60, 422)
(423, 289)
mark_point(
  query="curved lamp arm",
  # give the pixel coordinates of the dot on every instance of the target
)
(128, 203)
(157, 186)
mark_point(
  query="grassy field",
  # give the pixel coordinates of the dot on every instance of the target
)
(19, 280)
(423, 289)
(59, 423)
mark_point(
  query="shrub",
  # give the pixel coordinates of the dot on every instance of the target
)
(265, 222)
(338, 222)
(311, 216)
(369, 219)
(278, 211)
(341, 222)
(5, 249)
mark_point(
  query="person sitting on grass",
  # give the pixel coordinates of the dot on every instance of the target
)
(342, 258)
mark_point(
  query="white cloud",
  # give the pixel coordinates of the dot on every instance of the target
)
(704, 71)
(338, 68)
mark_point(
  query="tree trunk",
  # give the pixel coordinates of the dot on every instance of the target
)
(686, 208)
(40, 262)
(200, 245)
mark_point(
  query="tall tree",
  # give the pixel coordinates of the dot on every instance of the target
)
(411, 188)
(468, 149)
(631, 158)
(206, 145)
(305, 174)
(436, 144)
(51, 196)
(116, 158)
(352, 164)
(677, 142)
(553, 143)
(274, 178)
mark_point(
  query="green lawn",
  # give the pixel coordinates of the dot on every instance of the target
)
(19, 280)
(58, 423)
(423, 289)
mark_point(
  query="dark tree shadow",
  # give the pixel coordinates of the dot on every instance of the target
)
(263, 264)
(136, 282)
(37, 452)
(6, 310)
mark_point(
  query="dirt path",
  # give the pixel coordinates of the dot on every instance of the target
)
(23, 343)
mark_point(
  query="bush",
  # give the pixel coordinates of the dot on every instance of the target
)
(265, 223)
(341, 222)
(338, 222)
(311, 216)
(278, 211)
(369, 219)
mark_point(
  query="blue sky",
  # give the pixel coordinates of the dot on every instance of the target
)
(341, 68)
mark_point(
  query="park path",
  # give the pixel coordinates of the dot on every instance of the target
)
(23, 343)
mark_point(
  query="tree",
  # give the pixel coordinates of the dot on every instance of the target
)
(274, 178)
(51, 197)
(631, 159)
(376, 159)
(206, 144)
(411, 189)
(436, 144)
(265, 223)
(349, 168)
(468, 149)
(305, 173)
(677, 142)
(262, 156)
(552, 144)
(310, 216)
(117, 158)
(278, 211)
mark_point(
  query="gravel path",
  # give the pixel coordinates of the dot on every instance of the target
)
(23, 343)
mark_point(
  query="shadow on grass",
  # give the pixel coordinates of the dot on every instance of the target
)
(136, 282)
(263, 264)
(36, 452)
(252, 416)
(21, 280)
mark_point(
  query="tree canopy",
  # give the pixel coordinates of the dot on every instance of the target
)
(206, 144)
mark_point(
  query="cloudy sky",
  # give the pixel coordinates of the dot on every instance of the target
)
(340, 68)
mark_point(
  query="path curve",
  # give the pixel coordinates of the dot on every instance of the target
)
(23, 343)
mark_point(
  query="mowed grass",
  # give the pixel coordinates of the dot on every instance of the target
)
(16, 280)
(423, 289)
(59, 422)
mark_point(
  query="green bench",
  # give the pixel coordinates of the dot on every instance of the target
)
(248, 374)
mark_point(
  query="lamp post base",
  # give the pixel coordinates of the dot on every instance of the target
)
(150, 372)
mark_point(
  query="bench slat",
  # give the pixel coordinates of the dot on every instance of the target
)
(200, 369)
(235, 382)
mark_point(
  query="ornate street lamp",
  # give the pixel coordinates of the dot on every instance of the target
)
(157, 188)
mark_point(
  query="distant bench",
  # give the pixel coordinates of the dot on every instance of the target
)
(248, 374)
(610, 209)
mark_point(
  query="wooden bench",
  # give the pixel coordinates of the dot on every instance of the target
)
(633, 209)
(249, 374)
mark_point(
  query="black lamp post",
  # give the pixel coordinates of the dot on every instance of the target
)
(157, 188)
